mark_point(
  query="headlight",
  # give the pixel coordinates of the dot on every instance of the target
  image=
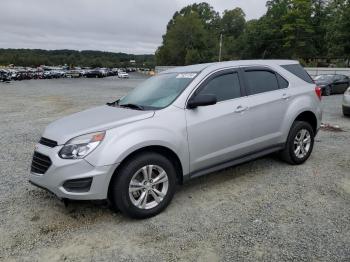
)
(81, 146)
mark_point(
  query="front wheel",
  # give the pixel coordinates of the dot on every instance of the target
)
(299, 144)
(144, 186)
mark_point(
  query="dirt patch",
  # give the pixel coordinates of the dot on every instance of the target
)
(331, 128)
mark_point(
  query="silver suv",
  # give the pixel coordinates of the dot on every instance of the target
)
(181, 124)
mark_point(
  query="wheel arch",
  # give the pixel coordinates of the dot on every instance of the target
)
(163, 150)
(309, 117)
(306, 108)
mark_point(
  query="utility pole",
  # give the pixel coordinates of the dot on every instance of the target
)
(220, 50)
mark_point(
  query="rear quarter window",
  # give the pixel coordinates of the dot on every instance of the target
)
(299, 71)
(282, 82)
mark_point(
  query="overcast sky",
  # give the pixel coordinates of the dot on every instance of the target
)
(130, 26)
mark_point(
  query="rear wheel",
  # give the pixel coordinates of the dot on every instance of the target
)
(299, 143)
(144, 186)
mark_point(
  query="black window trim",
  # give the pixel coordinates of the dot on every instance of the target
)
(215, 74)
(262, 68)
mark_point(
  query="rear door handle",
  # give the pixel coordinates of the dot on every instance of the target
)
(285, 96)
(240, 109)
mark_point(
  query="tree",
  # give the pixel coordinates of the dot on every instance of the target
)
(271, 26)
(319, 22)
(190, 37)
(232, 27)
(297, 29)
(206, 13)
(259, 41)
(233, 22)
(37, 57)
(192, 56)
(338, 29)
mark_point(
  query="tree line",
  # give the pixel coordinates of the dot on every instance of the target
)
(290, 29)
(37, 57)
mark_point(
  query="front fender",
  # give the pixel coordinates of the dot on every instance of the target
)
(125, 140)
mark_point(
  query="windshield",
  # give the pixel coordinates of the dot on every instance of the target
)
(324, 77)
(159, 91)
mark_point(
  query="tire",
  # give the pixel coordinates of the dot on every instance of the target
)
(134, 170)
(327, 91)
(289, 153)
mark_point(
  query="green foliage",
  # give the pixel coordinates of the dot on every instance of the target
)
(290, 29)
(36, 57)
(233, 22)
(298, 30)
(191, 36)
(338, 28)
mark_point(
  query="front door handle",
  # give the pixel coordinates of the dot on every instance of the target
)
(240, 109)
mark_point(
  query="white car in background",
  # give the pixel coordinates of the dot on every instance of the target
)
(123, 75)
(346, 103)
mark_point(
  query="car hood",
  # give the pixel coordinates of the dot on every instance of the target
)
(92, 120)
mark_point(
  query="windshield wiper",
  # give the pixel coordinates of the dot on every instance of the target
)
(133, 106)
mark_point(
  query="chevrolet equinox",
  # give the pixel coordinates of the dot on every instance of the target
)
(180, 124)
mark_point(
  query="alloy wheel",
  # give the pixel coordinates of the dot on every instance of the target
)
(302, 143)
(148, 187)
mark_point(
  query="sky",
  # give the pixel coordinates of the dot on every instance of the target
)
(129, 26)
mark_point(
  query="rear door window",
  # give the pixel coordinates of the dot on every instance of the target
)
(260, 81)
(299, 71)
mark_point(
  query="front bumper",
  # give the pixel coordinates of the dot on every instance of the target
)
(62, 170)
(346, 100)
(346, 104)
(346, 110)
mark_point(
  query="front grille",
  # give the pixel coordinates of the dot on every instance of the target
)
(40, 163)
(47, 142)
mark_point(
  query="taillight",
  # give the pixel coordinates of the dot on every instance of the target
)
(318, 91)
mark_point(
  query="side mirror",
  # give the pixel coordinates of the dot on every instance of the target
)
(202, 100)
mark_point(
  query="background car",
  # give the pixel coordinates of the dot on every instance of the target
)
(4, 76)
(73, 74)
(123, 75)
(332, 84)
(95, 73)
(346, 103)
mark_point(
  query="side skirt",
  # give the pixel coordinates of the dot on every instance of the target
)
(233, 162)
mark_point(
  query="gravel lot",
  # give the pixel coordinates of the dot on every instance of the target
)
(264, 210)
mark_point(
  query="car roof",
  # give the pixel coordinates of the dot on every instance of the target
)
(217, 65)
(331, 75)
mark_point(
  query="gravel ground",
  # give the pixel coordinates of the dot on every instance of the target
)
(264, 210)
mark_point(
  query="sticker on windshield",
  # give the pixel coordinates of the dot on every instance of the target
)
(186, 75)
